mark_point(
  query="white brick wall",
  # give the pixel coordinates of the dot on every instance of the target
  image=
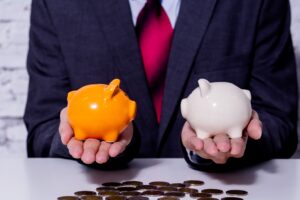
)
(14, 24)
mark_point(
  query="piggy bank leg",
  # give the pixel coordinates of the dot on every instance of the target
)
(202, 134)
(235, 133)
(110, 137)
(79, 134)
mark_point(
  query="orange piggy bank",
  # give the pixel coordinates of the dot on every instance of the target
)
(100, 111)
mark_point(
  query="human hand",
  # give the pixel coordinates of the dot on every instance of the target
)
(220, 147)
(92, 150)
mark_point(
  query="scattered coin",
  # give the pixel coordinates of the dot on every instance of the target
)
(131, 193)
(237, 192)
(109, 193)
(188, 190)
(193, 182)
(98, 189)
(135, 183)
(146, 187)
(138, 198)
(207, 198)
(200, 194)
(212, 191)
(116, 197)
(111, 184)
(68, 198)
(167, 188)
(123, 189)
(91, 197)
(159, 183)
(178, 185)
(82, 193)
(175, 194)
(231, 198)
(153, 193)
(168, 198)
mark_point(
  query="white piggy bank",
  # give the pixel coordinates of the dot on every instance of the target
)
(217, 108)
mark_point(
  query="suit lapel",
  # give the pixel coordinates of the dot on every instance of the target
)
(194, 16)
(116, 22)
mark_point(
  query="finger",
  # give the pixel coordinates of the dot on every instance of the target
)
(189, 138)
(238, 146)
(221, 158)
(222, 142)
(254, 128)
(209, 147)
(65, 130)
(75, 148)
(102, 155)
(90, 149)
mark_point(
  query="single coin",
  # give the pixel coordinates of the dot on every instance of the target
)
(231, 198)
(68, 198)
(167, 188)
(111, 184)
(98, 189)
(91, 197)
(109, 193)
(130, 193)
(153, 193)
(135, 183)
(200, 194)
(82, 193)
(146, 187)
(116, 197)
(193, 182)
(123, 189)
(175, 194)
(178, 185)
(138, 198)
(188, 190)
(212, 191)
(207, 198)
(168, 198)
(159, 183)
(237, 192)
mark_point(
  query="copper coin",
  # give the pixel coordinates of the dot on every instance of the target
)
(212, 191)
(207, 198)
(130, 193)
(116, 197)
(109, 193)
(123, 189)
(199, 194)
(68, 198)
(188, 190)
(98, 189)
(146, 187)
(91, 197)
(193, 182)
(168, 198)
(138, 198)
(159, 183)
(166, 188)
(175, 194)
(135, 183)
(82, 193)
(178, 185)
(237, 192)
(153, 193)
(111, 184)
(231, 198)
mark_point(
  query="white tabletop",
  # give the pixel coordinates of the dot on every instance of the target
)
(43, 179)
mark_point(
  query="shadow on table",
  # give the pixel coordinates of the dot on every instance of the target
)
(247, 176)
(95, 176)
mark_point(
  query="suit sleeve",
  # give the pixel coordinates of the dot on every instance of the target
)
(273, 84)
(48, 88)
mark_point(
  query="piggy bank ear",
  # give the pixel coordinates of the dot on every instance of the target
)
(70, 95)
(112, 89)
(247, 93)
(204, 86)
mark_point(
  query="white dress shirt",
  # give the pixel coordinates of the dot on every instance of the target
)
(170, 6)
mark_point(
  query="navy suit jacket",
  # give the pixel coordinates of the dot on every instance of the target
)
(248, 43)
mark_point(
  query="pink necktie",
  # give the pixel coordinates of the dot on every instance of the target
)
(154, 32)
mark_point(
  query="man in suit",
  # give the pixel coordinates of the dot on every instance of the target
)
(248, 43)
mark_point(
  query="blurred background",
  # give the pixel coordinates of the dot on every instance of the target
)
(14, 26)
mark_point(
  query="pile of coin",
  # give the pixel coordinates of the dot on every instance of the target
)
(160, 190)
